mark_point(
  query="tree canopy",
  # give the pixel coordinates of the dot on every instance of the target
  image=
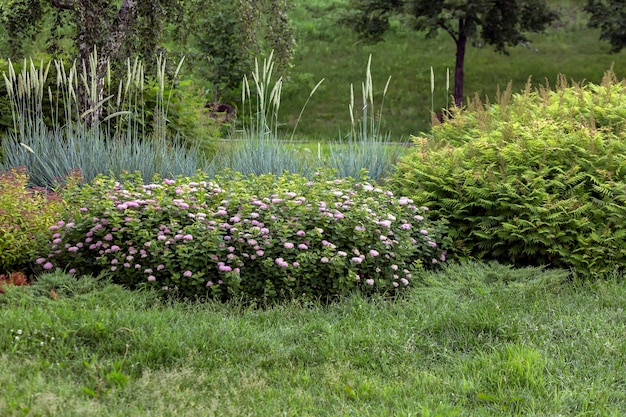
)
(116, 29)
(610, 17)
(223, 35)
(500, 23)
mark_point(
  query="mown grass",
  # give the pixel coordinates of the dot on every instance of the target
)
(480, 340)
(328, 50)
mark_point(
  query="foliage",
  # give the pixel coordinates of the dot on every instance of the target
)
(537, 179)
(500, 24)
(609, 17)
(49, 134)
(263, 237)
(367, 147)
(262, 149)
(25, 213)
(227, 35)
(484, 347)
(115, 29)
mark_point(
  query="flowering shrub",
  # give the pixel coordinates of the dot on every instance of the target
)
(264, 237)
(25, 213)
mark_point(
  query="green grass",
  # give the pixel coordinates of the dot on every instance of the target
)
(327, 50)
(479, 340)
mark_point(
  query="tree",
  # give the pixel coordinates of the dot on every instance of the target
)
(113, 29)
(500, 23)
(610, 17)
(228, 32)
(227, 35)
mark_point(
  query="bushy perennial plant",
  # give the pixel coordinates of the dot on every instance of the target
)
(537, 179)
(262, 237)
(25, 214)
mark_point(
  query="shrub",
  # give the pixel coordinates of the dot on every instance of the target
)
(537, 178)
(50, 134)
(24, 214)
(17, 279)
(262, 237)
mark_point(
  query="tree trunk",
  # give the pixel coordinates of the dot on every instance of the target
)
(98, 52)
(461, 44)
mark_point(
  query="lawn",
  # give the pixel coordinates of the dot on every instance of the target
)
(329, 50)
(475, 339)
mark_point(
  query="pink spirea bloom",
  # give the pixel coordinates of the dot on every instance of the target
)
(424, 232)
(302, 246)
(406, 226)
(385, 223)
(369, 281)
(160, 267)
(71, 271)
(433, 244)
(374, 253)
(288, 245)
(115, 248)
(39, 261)
(151, 278)
(356, 260)
(47, 265)
(108, 236)
(72, 249)
(300, 233)
(187, 274)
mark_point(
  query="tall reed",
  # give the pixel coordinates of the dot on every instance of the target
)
(263, 150)
(110, 135)
(366, 147)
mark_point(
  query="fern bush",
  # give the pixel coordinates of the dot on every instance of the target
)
(537, 178)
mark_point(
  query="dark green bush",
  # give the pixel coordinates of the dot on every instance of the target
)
(536, 179)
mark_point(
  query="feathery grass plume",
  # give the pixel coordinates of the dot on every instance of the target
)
(52, 144)
(262, 148)
(366, 147)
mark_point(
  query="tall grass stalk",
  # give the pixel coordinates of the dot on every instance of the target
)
(367, 147)
(109, 136)
(262, 148)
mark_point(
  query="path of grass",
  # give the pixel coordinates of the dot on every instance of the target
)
(477, 340)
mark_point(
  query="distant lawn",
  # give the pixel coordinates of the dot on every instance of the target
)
(327, 50)
(476, 340)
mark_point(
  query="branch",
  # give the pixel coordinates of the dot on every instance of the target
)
(63, 4)
(120, 27)
(449, 30)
